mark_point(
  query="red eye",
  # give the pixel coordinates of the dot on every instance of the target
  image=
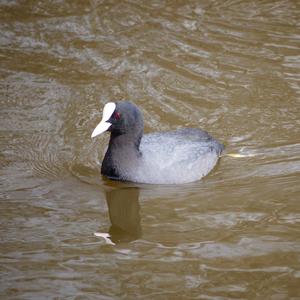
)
(117, 115)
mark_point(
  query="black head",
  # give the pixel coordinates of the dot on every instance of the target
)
(121, 118)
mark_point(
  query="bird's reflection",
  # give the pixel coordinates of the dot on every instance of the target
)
(123, 206)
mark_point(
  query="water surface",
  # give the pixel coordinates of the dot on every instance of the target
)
(229, 67)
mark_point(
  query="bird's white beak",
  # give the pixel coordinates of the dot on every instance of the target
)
(108, 110)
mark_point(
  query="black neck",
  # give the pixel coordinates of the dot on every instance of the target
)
(120, 146)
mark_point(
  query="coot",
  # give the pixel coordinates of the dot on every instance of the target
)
(173, 157)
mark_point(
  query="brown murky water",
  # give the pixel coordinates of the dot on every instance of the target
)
(229, 67)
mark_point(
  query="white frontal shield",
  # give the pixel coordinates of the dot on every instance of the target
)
(108, 110)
